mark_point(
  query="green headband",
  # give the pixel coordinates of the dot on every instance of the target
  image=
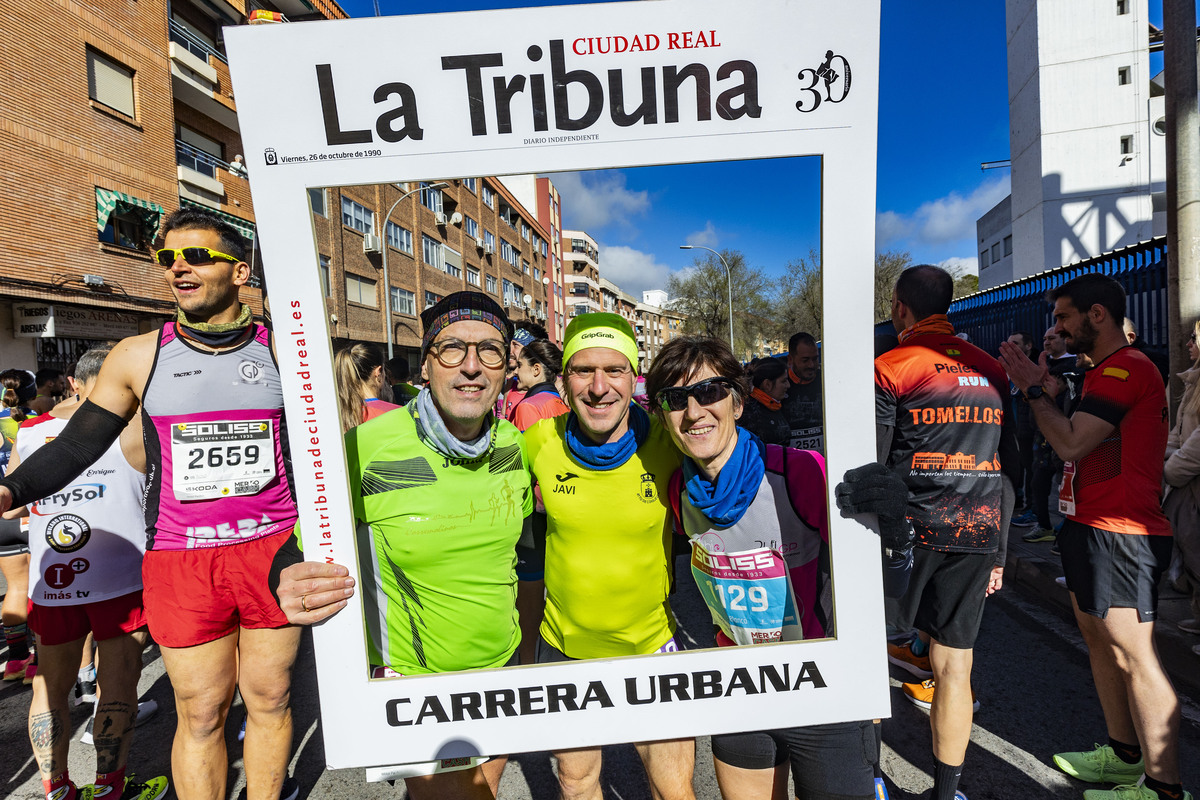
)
(601, 329)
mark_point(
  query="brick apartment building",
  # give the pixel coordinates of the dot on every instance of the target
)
(114, 114)
(442, 237)
(121, 111)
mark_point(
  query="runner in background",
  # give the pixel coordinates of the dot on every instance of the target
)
(14, 543)
(538, 368)
(524, 333)
(364, 388)
(803, 404)
(87, 543)
(729, 498)
(762, 413)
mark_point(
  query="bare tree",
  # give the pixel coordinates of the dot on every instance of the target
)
(888, 267)
(797, 303)
(700, 292)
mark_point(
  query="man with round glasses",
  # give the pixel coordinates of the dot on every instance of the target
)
(442, 496)
(219, 504)
(603, 471)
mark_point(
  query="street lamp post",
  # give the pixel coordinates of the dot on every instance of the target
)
(387, 286)
(728, 284)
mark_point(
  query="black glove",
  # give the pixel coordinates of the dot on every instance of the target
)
(875, 489)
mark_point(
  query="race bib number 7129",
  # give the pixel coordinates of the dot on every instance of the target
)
(749, 593)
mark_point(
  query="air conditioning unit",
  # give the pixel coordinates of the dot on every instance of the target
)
(488, 249)
(440, 218)
(507, 302)
(371, 244)
(479, 243)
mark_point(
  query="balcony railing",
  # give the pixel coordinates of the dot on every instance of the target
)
(196, 159)
(193, 43)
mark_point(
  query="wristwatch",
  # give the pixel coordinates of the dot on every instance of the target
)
(1034, 392)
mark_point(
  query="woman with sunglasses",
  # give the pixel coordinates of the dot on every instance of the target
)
(538, 366)
(726, 501)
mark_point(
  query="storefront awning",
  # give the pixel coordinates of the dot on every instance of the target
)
(109, 202)
(244, 227)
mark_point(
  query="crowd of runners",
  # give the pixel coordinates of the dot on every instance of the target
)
(156, 502)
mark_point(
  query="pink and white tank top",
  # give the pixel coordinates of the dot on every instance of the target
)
(216, 468)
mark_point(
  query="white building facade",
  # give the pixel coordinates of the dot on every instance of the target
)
(1086, 138)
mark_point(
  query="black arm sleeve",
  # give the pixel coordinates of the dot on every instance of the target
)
(89, 433)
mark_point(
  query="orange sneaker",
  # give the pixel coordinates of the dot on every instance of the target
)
(921, 694)
(902, 656)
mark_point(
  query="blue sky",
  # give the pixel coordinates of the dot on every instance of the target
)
(943, 111)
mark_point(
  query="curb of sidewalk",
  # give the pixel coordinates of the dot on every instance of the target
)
(1034, 569)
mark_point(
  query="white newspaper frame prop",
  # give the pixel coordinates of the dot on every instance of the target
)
(378, 89)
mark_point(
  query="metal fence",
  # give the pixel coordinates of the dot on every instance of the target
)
(991, 315)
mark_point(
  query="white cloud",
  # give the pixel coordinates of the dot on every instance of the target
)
(705, 238)
(957, 265)
(944, 220)
(600, 199)
(632, 270)
(890, 227)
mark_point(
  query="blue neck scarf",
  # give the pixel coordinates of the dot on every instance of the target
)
(726, 501)
(604, 457)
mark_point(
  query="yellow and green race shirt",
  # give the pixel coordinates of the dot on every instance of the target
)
(437, 544)
(608, 547)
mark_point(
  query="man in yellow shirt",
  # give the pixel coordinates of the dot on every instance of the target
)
(603, 470)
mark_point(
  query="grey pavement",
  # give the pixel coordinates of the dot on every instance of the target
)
(1031, 677)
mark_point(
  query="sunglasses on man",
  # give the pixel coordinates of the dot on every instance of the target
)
(706, 392)
(194, 256)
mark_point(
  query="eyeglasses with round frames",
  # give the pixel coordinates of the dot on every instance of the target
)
(492, 353)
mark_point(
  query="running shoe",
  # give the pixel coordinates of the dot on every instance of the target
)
(1101, 765)
(1054, 551)
(1026, 520)
(85, 692)
(134, 790)
(881, 792)
(1189, 625)
(902, 656)
(1132, 791)
(921, 694)
(14, 669)
(30, 672)
(1039, 535)
(150, 790)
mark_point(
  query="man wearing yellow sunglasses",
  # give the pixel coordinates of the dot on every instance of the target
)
(219, 504)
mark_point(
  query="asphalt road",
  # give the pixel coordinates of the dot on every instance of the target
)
(1031, 678)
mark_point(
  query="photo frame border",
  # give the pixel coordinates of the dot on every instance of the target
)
(280, 113)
